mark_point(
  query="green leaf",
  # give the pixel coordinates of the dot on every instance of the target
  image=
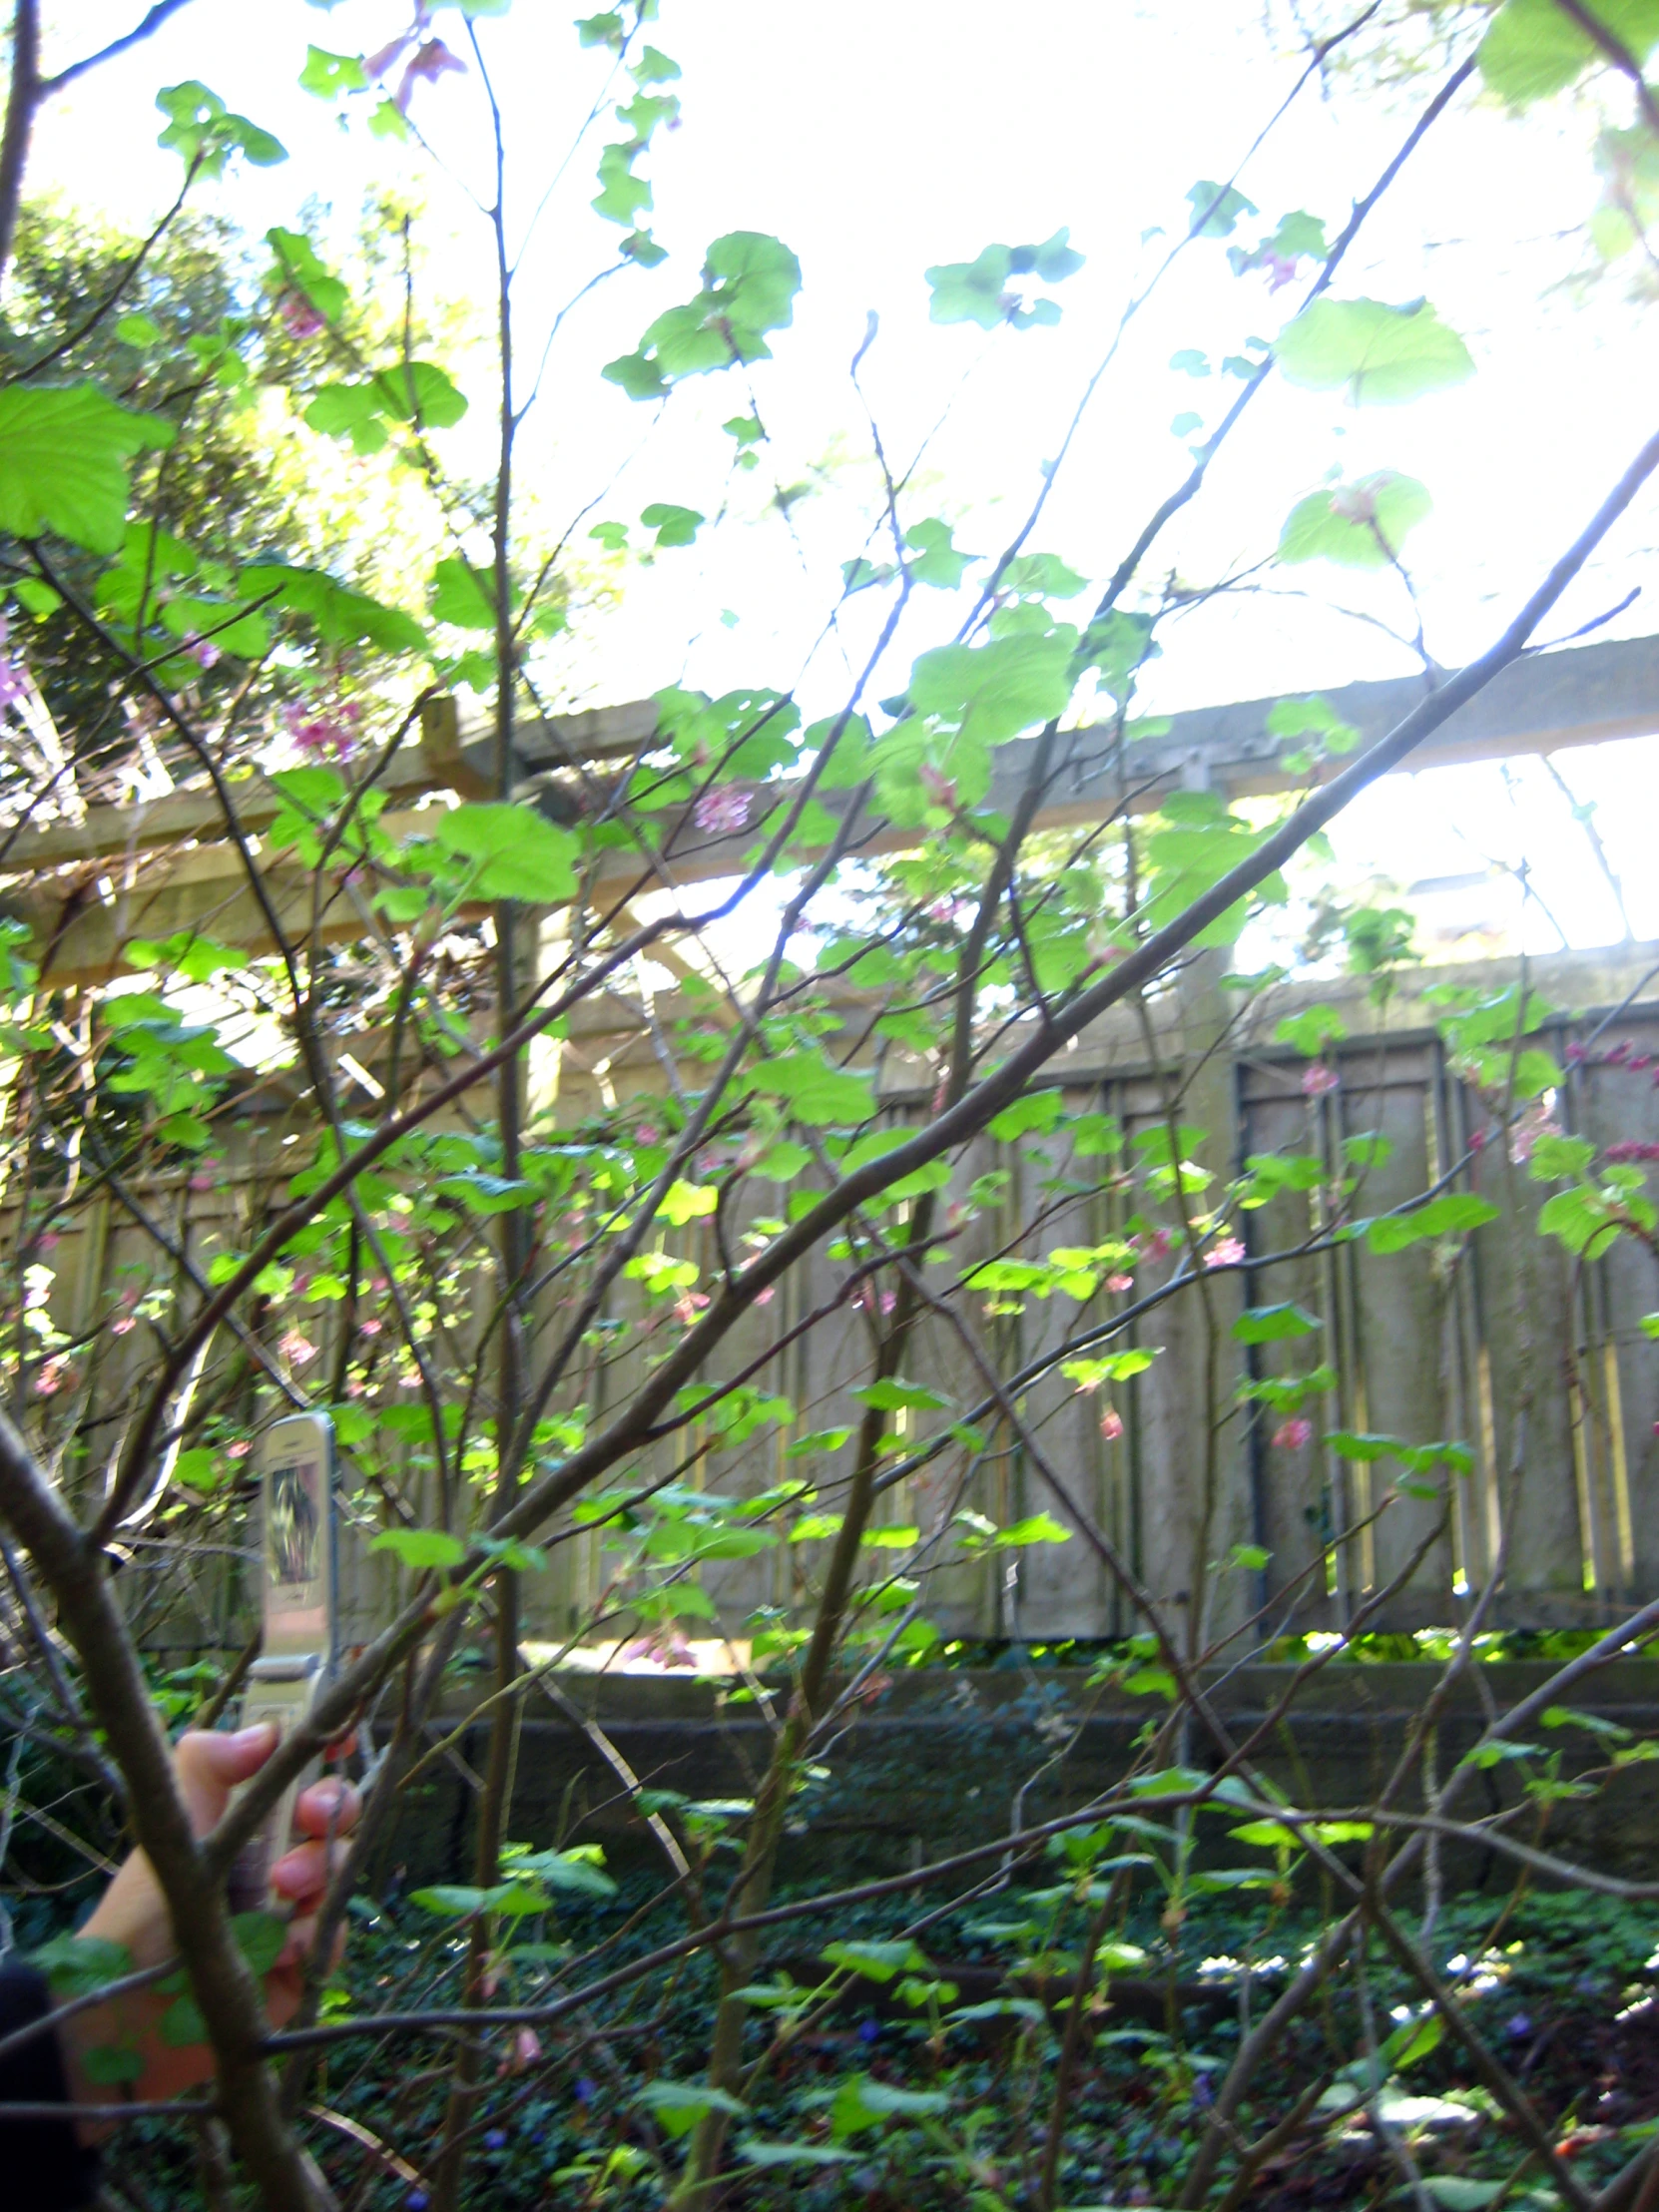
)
(1355, 1445)
(109, 2066)
(1358, 525)
(1314, 1028)
(339, 614)
(298, 264)
(993, 692)
(750, 282)
(673, 525)
(352, 411)
(260, 1938)
(862, 2102)
(482, 1193)
(756, 2153)
(203, 133)
(876, 1961)
(1555, 1157)
(1384, 355)
(1219, 207)
(1040, 576)
(1036, 1529)
(1040, 1111)
(328, 75)
(450, 1899)
(461, 596)
(1459, 2193)
(622, 197)
(937, 561)
(75, 1966)
(971, 291)
(683, 1202)
(1454, 1214)
(181, 2024)
(1533, 48)
(517, 852)
(421, 1547)
(678, 2106)
(1269, 1325)
(815, 1092)
(64, 451)
(890, 1395)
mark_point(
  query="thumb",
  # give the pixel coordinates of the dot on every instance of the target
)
(210, 1766)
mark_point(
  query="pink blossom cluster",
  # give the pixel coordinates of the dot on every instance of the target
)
(723, 809)
(1226, 1252)
(325, 735)
(300, 317)
(1631, 1148)
(1319, 1079)
(1291, 1436)
(1621, 1055)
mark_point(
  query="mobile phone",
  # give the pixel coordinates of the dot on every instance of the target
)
(299, 1594)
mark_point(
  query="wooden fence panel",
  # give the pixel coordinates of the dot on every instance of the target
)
(1544, 1369)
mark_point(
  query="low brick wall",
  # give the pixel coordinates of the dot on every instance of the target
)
(940, 1760)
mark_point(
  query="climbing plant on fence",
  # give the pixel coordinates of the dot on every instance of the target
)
(541, 1328)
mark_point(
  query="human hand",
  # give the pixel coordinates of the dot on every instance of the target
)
(133, 1912)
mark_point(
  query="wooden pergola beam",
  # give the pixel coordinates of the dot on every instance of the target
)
(1579, 695)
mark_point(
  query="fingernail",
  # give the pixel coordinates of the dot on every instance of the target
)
(245, 1738)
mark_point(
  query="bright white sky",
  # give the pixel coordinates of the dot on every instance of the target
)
(882, 135)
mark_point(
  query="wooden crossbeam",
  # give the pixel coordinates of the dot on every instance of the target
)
(1579, 695)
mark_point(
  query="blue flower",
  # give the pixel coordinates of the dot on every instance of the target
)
(496, 2139)
(585, 2092)
(417, 2201)
(1517, 2025)
(868, 2030)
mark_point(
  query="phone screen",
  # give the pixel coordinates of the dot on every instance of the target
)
(296, 1559)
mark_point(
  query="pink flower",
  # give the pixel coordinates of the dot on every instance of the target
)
(1226, 1252)
(766, 1296)
(941, 789)
(525, 2051)
(1536, 1122)
(430, 62)
(300, 317)
(55, 1375)
(369, 1327)
(689, 1305)
(646, 1133)
(295, 1349)
(14, 682)
(724, 809)
(1158, 1243)
(240, 1449)
(1111, 1425)
(1291, 1436)
(1355, 502)
(203, 1183)
(1631, 1148)
(1319, 1079)
(123, 1326)
(202, 651)
(1120, 1282)
(321, 734)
